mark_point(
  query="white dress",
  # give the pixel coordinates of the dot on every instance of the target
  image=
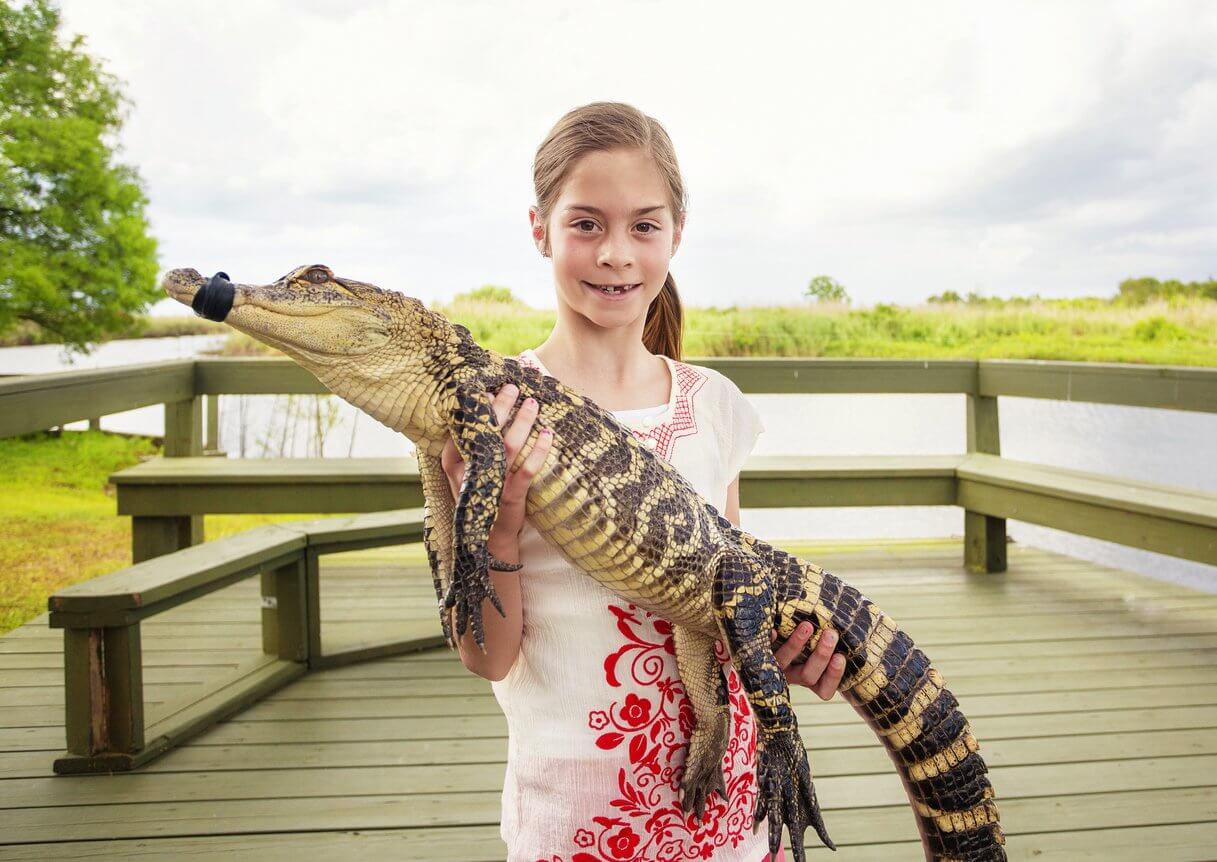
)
(597, 718)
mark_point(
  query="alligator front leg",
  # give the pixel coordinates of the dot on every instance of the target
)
(744, 602)
(479, 441)
(703, 680)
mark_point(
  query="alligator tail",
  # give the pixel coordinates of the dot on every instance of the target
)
(893, 686)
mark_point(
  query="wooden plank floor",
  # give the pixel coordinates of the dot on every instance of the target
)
(1093, 692)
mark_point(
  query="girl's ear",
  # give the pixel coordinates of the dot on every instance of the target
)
(676, 232)
(538, 230)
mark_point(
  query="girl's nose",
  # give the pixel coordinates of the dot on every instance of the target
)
(615, 251)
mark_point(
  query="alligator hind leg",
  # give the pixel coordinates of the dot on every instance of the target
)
(744, 603)
(437, 532)
(702, 676)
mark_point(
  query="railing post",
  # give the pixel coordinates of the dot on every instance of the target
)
(984, 537)
(183, 439)
(211, 440)
(184, 428)
(103, 690)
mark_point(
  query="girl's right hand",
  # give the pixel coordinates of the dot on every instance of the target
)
(510, 519)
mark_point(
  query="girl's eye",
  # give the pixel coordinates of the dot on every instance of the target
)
(651, 228)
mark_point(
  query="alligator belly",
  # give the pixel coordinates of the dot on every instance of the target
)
(624, 551)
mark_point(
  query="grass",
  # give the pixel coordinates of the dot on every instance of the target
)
(1176, 332)
(58, 524)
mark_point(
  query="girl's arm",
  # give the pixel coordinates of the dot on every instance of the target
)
(501, 634)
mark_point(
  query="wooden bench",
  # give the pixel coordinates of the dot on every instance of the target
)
(103, 664)
(163, 495)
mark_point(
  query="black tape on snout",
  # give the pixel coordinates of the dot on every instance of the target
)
(214, 299)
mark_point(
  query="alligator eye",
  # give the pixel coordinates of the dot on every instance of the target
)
(318, 276)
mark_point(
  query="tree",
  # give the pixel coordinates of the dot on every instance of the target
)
(825, 289)
(75, 254)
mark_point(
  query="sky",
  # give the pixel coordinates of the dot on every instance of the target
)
(902, 149)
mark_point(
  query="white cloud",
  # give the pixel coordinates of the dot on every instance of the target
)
(903, 149)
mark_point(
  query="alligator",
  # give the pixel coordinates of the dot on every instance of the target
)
(627, 518)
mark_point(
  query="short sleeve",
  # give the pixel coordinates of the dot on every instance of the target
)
(745, 427)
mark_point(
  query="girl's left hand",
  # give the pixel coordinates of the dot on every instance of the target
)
(821, 673)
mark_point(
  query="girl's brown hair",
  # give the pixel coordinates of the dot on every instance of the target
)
(608, 126)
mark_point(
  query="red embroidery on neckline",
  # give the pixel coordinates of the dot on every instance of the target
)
(682, 422)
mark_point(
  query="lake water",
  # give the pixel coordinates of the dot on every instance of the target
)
(1168, 447)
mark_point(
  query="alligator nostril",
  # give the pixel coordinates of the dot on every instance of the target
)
(214, 299)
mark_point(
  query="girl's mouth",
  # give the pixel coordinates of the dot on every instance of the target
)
(612, 291)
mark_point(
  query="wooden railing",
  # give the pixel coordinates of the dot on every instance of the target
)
(38, 402)
(106, 729)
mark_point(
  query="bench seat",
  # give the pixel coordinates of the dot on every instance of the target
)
(1170, 520)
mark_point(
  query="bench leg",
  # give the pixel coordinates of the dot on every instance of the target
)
(104, 690)
(984, 543)
(285, 612)
(153, 537)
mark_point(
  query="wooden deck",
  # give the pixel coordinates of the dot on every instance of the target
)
(1093, 692)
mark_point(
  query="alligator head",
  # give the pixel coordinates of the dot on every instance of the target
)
(366, 345)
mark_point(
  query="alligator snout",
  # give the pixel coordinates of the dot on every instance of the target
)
(209, 297)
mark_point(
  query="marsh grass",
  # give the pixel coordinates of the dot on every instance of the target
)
(58, 524)
(1179, 332)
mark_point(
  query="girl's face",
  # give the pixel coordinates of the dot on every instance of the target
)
(611, 225)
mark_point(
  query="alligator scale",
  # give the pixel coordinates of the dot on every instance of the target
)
(627, 518)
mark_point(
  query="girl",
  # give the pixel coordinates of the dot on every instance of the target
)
(597, 717)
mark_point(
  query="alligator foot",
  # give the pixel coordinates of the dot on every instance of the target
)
(470, 586)
(785, 793)
(703, 764)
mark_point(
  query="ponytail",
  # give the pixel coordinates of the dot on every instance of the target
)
(663, 331)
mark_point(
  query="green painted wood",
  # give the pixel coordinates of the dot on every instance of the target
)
(123, 688)
(211, 436)
(175, 723)
(82, 660)
(36, 402)
(442, 844)
(1162, 386)
(184, 428)
(158, 582)
(984, 537)
(104, 704)
(838, 376)
(253, 375)
(291, 611)
(835, 792)
(383, 749)
(155, 536)
(1172, 521)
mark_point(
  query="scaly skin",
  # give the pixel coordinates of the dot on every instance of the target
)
(627, 518)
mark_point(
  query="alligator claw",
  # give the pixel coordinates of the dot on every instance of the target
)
(703, 765)
(470, 586)
(785, 793)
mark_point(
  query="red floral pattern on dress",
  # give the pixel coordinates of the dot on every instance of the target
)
(652, 725)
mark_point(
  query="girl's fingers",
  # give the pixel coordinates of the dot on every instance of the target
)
(831, 678)
(516, 487)
(787, 652)
(503, 401)
(812, 671)
(517, 432)
(536, 458)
